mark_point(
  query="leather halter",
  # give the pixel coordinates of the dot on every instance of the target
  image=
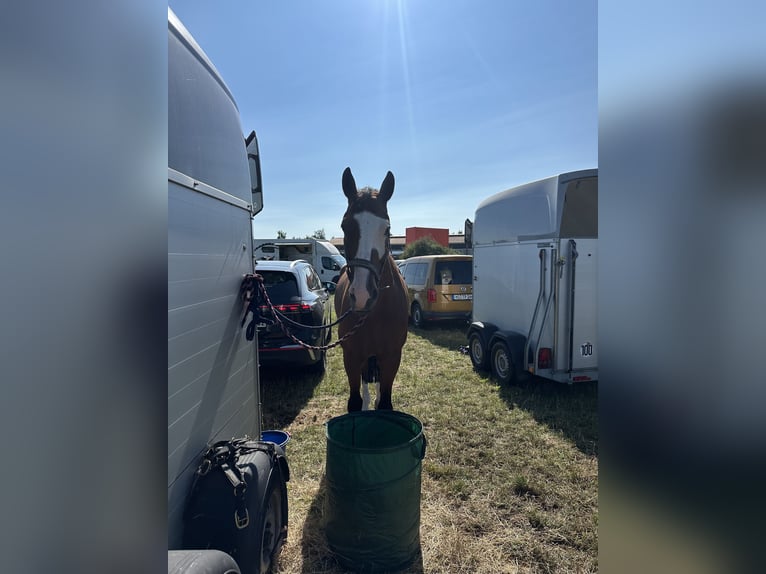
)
(351, 263)
(376, 272)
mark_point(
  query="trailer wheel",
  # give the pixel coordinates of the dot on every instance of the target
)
(272, 527)
(502, 363)
(417, 315)
(477, 351)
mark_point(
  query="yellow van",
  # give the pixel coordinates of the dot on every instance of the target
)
(439, 287)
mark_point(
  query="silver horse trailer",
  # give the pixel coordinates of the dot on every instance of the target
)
(213, 193)
(535, 259)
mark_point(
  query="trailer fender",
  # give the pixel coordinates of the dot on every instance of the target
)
(485, 330)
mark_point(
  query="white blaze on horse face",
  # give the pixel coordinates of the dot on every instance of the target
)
(372, 236)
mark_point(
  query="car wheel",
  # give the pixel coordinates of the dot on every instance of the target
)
(502, 363)
(320, 366)
(417, 315)
(477, 351)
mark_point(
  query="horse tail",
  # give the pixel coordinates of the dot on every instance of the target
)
(372, 374)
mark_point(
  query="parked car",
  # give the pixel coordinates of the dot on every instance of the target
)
(297, 293)
(439, 287)
(400, 265)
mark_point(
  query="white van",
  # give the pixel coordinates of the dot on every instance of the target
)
(323, 255)
(535, 262)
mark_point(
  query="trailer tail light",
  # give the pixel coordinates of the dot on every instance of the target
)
(432, 295)
(544, 358)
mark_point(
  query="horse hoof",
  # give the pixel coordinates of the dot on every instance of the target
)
(354, 404)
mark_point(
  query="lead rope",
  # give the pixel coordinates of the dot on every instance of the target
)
(247, 293)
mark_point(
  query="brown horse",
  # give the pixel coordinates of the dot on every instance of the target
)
(371, 286)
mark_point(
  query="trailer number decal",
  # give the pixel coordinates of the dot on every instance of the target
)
(586, 350)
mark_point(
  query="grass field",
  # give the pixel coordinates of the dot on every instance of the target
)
(510, 477)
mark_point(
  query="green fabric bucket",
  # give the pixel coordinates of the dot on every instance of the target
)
(373, 471)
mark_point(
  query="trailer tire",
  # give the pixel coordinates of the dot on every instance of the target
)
(417, 315)
(272, 526)
(478, 351)
(502, 364)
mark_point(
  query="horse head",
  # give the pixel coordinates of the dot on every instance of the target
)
(366, 238)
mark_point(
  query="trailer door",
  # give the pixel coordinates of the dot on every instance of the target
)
(579, 341)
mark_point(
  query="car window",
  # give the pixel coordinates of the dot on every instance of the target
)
(415, 273)
(281, 286)
(312, 279)
(453, 272)
(409, 273)
(330, 263)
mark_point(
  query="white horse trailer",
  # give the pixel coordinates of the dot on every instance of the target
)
(535, 260)
(214, 190)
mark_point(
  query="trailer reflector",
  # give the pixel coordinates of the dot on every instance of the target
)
(544, 358)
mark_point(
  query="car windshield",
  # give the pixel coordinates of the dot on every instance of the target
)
(281, 286)
(453, 273)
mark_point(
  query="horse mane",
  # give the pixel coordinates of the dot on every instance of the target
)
(367, 190)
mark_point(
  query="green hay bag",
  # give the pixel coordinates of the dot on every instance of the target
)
(373, 474)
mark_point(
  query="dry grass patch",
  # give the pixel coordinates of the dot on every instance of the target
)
(510, 477)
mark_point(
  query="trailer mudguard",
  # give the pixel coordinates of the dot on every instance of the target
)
(485, 330)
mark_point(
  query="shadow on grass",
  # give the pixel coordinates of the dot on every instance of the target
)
(314, 550)
(317, 556)
(571, 409)
(450, 335)
(285, 391)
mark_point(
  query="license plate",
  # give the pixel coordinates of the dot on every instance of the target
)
(462, 297)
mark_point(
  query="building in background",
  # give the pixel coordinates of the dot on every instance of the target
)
(441, 236)
(399, 242)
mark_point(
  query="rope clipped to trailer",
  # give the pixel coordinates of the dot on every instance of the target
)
(249, 294)
(253, 291)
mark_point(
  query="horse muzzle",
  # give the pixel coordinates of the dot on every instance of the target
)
(363, 290)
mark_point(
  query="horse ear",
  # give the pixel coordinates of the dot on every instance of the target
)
(349, 185)
(387, 187)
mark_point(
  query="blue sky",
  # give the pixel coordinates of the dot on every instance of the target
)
(459, 99)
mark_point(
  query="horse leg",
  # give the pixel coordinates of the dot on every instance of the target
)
(354, 374)
(370, 375)
(388, 369)
(365, 394)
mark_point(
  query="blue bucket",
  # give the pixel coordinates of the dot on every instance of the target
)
(276, 436)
